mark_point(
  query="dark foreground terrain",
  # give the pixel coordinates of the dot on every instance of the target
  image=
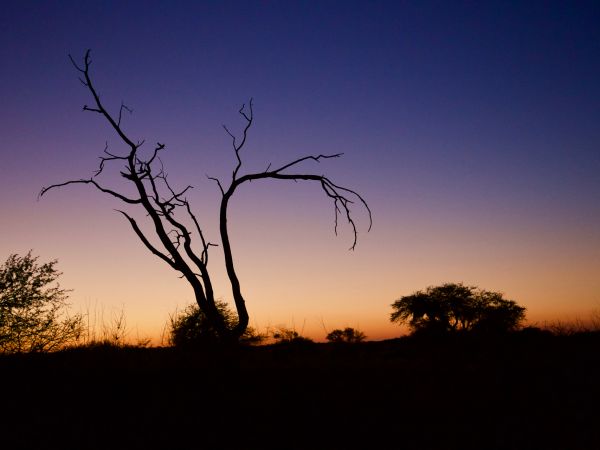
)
(527, 391)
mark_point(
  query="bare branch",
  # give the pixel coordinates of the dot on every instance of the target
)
(129, 110)
(306, 158)
(238, 147)
(175, 197)
(99, 108)
(157, 149)
(205, 244)
(75, 64)
(147, 243)
(104, 159)
(87, 108)
(178, 237)
(93, 182)
(218, 183)
(337, 193)
(233, 138)
(166, 208)
(243, 113)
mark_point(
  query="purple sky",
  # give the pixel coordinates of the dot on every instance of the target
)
(471, 128)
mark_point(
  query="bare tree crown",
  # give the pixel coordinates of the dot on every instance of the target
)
(161, 201)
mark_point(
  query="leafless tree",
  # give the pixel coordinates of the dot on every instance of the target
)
(160, 201)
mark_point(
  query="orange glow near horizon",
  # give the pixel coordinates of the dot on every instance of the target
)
(307, 280)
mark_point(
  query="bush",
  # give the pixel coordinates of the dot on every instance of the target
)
(284, 335)
(190, 328)
(32, 307)
(347, 335)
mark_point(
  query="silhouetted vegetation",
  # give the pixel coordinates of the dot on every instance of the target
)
(284, 335)
(181, 241)
(108, 329)
(346, 336)
(529, 389)
(190, 328)
(454, 307)
(268, 396)
(465, 391)
(33, 315)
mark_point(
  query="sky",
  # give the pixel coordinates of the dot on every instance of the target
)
(470, 128)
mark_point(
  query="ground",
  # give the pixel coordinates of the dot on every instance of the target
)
(524, 391)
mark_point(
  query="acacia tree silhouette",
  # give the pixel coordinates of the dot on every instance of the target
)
(453, 307)
(160, 201)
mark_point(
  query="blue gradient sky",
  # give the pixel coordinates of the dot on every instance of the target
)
(471, 128)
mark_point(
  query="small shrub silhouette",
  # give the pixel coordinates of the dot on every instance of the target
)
(190, 328)
(348, 335)
(283, 335)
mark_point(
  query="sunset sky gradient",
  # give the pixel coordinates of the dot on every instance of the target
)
(472, 129)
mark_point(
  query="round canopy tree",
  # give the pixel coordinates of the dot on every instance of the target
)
(455, 307)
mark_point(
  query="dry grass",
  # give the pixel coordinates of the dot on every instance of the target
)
(107, 329)
(575, 326)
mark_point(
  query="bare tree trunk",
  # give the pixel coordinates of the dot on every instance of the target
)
(236, 290)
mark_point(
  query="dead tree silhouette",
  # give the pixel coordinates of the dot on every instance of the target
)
(160, 201)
